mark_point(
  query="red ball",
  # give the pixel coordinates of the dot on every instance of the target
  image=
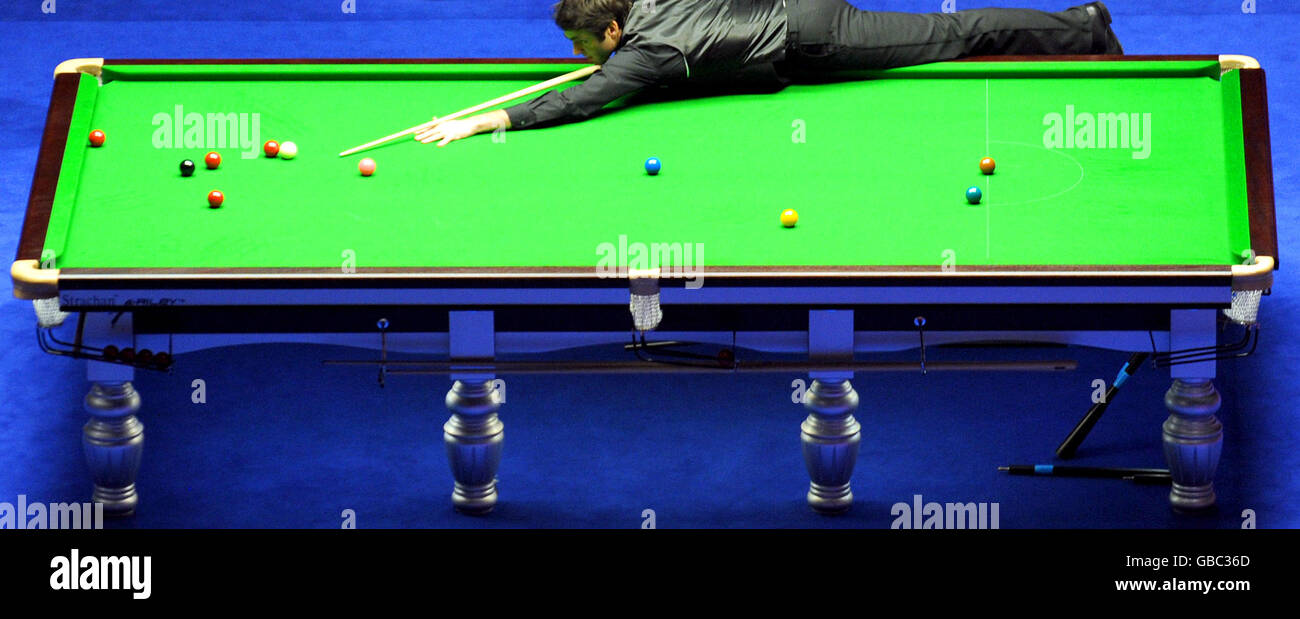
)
(212, 160)
(987, 165)
(271, 148)
(215, 199)
(97, 138)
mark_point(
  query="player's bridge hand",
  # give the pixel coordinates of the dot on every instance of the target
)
(445, 132)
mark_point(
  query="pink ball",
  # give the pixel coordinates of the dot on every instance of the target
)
(367, 166)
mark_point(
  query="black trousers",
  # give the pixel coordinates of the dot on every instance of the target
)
(832, 35)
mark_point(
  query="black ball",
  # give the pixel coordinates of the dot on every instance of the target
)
(187, 168)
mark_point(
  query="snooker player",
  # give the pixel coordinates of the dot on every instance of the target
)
(642, 43)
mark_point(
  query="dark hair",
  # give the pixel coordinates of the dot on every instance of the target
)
(591, 15)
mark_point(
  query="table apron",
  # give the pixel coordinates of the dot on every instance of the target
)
(109, 299)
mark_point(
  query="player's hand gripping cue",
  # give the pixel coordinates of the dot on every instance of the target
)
(446, 131)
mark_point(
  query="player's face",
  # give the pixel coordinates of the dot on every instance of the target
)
(585, 44)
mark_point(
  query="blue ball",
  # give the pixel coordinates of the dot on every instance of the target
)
(652, 166)
(973, 195)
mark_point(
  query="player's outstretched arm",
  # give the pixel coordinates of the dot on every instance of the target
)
(447, 132)
(624, 73)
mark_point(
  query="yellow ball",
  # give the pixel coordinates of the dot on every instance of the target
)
(789, 218)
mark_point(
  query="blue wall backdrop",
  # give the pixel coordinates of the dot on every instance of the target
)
(285, 442)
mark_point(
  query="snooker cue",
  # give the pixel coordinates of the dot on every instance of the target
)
(567, 77)
(1071, 443)
(1082, 471)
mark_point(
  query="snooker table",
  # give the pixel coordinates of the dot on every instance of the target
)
(1131, 210)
